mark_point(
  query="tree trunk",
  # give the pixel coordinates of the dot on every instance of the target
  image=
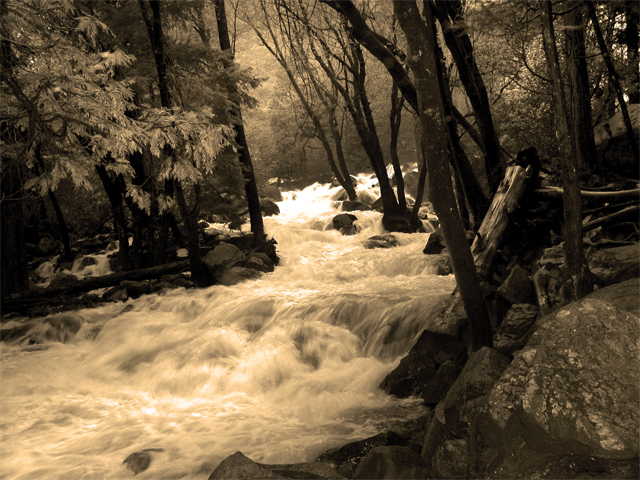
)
(115, 195)
(250, 186)
(15, 274)
(434, 144)
(449, 14)
(631, 11)
(395, 117)
(573, 245)
(581, 120)
(614, 79)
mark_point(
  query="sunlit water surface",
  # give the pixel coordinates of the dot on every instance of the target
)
(281, 368)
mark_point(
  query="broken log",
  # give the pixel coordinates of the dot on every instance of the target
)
(494, 225)
(557, 192)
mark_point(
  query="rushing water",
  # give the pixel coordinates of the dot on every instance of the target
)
(281, 368)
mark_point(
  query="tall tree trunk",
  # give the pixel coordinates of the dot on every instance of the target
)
(434, 144)
(251, 188)
(573, 244)
(581, 120)
(614, 79)
(395, 118)
(15, 274)
(449, 14)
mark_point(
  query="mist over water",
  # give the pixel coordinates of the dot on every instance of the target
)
(281, 368)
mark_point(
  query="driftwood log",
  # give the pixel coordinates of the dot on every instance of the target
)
(504, 204)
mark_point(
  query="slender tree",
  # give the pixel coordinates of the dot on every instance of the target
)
(251, 188)
(573, 244)
(434, 143)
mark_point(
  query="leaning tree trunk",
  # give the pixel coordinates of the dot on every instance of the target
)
(395, 118)
(573, 245)
(434, 144)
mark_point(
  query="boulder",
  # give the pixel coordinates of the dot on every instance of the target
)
(446, 439)
(138, 462)
(222, 257)
(349, 230)
(269, 208)
(391, 462)
(572, 391)
(443, 265)
(349, 206)
(518, 287)
(441, 383)
(272, 192)
(624, 295)
(62, 279)
(239, 466)
(343, 220)
(381, 241)
(510, 336)
(88, 261)
(419, 367)
(236, 275)
(615, 264)
(348, 457)
(435, 243)
(47, 246)
(259, 261)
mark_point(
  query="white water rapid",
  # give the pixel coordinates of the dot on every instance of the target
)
(281, 368)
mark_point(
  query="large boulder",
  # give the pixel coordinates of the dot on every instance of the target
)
(419, 367)
(272, 192)
(435, 243)
(63, 280)
(269, 208)
(224, 256)
(347, 458)
(239, 466)
(392, 463)
(260, 261)
(616, 264)
(624, 295)
(572, 391)
(518, 287)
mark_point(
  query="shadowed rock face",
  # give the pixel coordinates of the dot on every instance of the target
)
(573, 390)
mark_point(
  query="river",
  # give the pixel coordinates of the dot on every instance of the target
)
(281, 368)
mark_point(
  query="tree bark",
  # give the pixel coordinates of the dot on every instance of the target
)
(251, 188)
(395, 117)
(434, 144)
(581, 120)
(573, 244)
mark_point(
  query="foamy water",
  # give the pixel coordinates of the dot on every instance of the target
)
(281, 368)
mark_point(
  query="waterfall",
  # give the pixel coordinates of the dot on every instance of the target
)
(281, 368)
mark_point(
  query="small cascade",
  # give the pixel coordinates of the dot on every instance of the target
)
(282, 368)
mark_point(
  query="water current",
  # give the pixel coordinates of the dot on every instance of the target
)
(281, 368)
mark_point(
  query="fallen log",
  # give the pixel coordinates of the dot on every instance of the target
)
(625, 212)
(93, 283)
(557, 192)
(494, 225)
